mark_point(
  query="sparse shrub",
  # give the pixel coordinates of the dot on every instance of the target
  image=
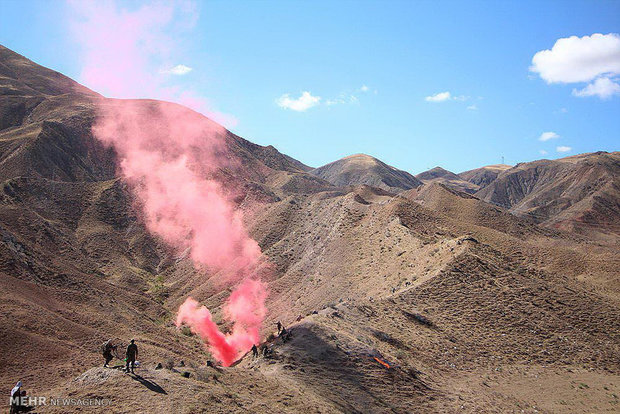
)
(186, 330)
(158, 289)
(202, 374)
(416, 317)
(384, 337)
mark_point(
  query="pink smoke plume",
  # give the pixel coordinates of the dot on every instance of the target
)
(166, 153)
(245, 306)
(170, 156)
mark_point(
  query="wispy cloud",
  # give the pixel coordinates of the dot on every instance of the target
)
(594, 59)
(178, 70)
(307, 100)
(473, 107)
(342, 99)
(604, 88)
(543, 152)
(563, 148)
(301, 104)
(439, 97)
(446, 96)
(546, 136)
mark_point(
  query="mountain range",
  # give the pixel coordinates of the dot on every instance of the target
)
(492, 290)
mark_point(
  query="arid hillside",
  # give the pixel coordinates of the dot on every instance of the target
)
(400, 296)
(483, 176)
(579, 193)
(361, 169)
(440, 175)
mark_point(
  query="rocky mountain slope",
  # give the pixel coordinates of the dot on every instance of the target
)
(440, 175)
(363, 169)
(483, 176)
(472, 308)
(579, 193)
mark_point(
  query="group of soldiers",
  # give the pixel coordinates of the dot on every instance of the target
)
(283, 333)
(131, 354)
(108, 350)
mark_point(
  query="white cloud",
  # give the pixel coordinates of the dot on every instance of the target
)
(343, 98)
(546, 136)
(438, 97)
(446, 96)
(307, 101)
(472, 107)
(579, 59)
(582, 59)
(543, 152)
(563, 148)
(301, 104)
(604, 88)
(178, 70)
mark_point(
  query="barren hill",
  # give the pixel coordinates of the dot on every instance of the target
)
(363, 169)
(20, 76)
(483, 176)
(580, 193)
(429, 300)
(440, 175)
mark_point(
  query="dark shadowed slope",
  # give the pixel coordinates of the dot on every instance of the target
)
(363, 169)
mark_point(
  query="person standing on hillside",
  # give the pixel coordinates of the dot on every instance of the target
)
(279, 325)
(16, 393)
(254, 351)
(107, 349)
(285, 335)
(130, 356)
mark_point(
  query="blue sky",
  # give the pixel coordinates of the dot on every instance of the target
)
(373, 64)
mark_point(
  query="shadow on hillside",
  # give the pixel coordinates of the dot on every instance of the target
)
(353, 381)
(151, 385)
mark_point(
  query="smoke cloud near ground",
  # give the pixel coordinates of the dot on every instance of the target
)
(169, 155)
(245, 307)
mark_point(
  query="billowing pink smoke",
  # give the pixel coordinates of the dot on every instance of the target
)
(245, 306)
(167, 153)
(170, 155)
